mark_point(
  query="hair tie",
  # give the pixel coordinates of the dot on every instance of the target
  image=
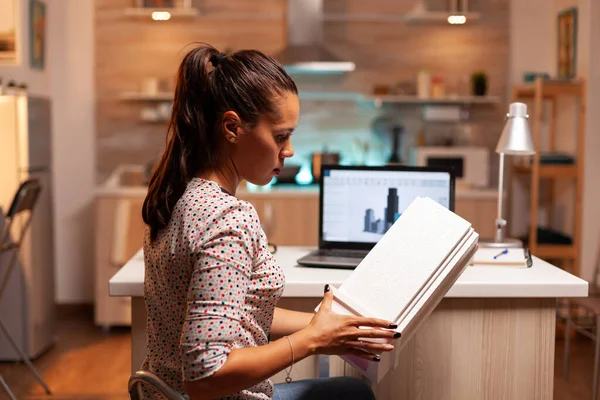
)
(215, 59)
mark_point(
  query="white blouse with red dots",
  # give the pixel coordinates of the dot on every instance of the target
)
(211, 285)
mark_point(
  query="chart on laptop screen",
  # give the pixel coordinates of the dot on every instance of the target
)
(361, 205)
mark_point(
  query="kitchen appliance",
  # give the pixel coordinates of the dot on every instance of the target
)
(395, 158)
(305, 51)
(470, 163)
(27, 306)
(320, 159)
(288, 174)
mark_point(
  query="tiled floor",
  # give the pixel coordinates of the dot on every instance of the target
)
(87, 364)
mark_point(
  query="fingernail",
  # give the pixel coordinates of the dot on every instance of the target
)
(397, 335)
(326, 288)
(393, 326)
(376, 358)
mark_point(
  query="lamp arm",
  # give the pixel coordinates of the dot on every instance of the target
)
(500, 222)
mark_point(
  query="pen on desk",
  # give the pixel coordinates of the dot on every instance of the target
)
(505, 251)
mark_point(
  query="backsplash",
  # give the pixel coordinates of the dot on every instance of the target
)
(387, 53)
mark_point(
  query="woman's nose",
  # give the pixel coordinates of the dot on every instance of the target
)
(287, 151)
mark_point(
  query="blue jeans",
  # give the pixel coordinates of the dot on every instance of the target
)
(334, 388)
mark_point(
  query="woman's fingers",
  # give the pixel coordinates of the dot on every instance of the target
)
(365, 355)
(373, 322)
(354, 334)
(370, 346)
(327, 298)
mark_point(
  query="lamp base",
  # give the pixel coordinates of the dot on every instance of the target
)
(504, 244)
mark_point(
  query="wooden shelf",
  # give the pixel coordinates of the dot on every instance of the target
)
(147, 12)
(345, 96)
(539, 93)
(136, 96)
(550, 89)
(408, 99)
(550, 171)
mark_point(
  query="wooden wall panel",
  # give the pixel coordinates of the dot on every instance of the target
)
(371, 33)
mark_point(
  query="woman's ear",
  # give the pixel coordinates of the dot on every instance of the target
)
(232, 126)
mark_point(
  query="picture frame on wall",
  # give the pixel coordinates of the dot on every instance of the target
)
(8, 32)
(567, 43)
(37, 34)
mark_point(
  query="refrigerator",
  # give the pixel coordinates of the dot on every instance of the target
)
(27, 306)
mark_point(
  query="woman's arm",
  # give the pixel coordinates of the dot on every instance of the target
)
(286, 322)
(327, 333)
(245, 367)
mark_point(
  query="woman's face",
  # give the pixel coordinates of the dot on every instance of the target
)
(259, 154)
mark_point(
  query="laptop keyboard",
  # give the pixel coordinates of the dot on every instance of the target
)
(343, 253)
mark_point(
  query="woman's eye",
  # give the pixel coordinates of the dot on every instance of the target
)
(281, 138)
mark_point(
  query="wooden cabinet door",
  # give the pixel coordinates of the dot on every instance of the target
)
(288, 221)
(481, 213)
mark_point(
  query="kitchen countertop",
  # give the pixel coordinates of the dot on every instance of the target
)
(114, 187)
(541, 280)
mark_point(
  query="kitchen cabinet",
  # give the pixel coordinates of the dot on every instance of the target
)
(287, 219)
(293, 220)
(119, 235)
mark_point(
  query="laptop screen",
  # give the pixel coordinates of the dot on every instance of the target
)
(359, 204)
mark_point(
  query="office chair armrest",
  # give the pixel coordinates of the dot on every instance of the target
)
(154, 381)
(7, 247)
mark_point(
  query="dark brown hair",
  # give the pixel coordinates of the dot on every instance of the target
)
(247, 82)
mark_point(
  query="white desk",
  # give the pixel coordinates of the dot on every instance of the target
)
(491, 337)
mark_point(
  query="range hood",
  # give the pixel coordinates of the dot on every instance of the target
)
(305, 51)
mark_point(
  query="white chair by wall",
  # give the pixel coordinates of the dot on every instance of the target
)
(23, 204)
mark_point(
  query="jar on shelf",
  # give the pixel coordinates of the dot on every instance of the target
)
(438, 88)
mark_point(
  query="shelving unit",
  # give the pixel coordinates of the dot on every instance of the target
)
(347, 96)
(538, 92)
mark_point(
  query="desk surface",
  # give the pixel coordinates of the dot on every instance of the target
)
(541, 280)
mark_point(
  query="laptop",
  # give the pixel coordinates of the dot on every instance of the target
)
(359, 204)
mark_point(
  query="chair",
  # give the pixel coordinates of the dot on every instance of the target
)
(587, 324)
(24, 200)
(148, 377)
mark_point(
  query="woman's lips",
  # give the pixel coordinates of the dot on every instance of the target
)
(277, 171)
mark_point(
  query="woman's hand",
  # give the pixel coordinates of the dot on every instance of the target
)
(331, 333)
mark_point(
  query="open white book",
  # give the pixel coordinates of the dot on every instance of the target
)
(406, 274)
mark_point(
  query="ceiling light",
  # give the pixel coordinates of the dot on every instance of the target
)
(161, 15)
(457, 19)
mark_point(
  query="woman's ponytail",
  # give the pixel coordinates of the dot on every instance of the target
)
(189, 146)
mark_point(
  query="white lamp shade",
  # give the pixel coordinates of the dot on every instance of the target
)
(516, 137)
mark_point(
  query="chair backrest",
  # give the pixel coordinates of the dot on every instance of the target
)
(24, 200)
(158, 384)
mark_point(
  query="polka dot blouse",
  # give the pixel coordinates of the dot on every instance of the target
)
(211, 285)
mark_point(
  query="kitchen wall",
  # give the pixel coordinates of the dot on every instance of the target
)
(386, 51)
(67, 79)
(37, 80)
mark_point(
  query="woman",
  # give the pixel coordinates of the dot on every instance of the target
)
(211, 285)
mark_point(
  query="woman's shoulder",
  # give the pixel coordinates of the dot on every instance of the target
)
(205, 199)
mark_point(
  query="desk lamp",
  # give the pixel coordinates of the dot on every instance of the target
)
(515, 141)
